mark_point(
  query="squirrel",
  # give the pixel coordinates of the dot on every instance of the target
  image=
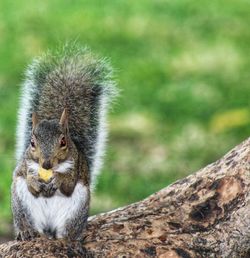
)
(61, 136)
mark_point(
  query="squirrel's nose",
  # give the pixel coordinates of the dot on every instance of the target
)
(47, 164)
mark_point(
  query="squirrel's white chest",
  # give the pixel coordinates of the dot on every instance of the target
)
(51, 213)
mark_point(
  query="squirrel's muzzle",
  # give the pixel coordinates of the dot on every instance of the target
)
(47, 164)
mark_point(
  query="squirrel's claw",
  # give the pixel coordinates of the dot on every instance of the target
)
(26, 235)
(36, 187)
(49, 190)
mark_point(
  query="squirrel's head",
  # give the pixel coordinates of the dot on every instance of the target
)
(50, 141)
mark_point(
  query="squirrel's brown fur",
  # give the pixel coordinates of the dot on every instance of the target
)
(68, 94)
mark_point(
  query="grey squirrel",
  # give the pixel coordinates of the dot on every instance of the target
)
(61, 137)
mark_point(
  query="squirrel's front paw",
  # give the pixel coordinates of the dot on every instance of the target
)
(48, 190)
(37, 186)
(34, 185)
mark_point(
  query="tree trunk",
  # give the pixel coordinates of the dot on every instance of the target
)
(206, 214)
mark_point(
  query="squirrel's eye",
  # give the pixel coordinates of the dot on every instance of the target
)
(32, 143)
(63, 142)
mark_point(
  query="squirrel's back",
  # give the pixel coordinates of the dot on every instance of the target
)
(74, 79)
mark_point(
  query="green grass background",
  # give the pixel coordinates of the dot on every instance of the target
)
(183, 70)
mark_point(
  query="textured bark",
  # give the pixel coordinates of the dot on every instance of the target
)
(206, 214)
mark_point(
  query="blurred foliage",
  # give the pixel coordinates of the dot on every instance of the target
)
(182, 66)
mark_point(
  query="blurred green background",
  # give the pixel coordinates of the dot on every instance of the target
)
(183, 70)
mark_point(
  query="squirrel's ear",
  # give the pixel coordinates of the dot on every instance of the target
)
(64, 119)
(34, 120)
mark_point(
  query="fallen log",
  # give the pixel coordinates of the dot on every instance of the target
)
(206, 214)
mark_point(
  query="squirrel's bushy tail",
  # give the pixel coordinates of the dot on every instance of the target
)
(75, 79)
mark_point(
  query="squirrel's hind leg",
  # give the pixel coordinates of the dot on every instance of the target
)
(23, 225)
(27, 235)
(75, 227)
